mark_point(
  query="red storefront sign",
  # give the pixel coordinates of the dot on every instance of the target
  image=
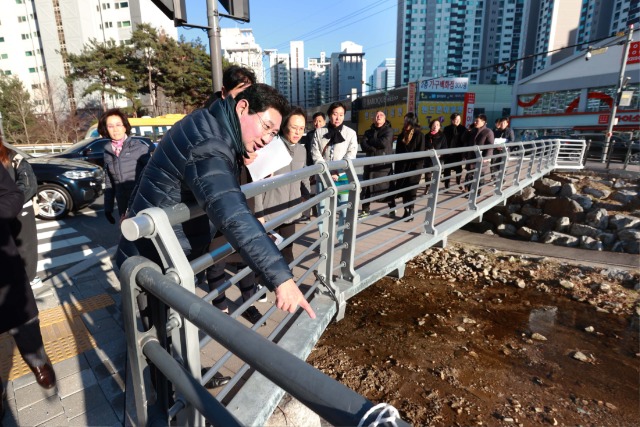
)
(634, 53)
(603, 119)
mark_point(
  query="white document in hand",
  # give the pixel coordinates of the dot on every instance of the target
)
(270, 158)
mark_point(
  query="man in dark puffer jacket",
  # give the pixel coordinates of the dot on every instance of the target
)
(199, 159)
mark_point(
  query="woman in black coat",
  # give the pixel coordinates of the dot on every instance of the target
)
(23, 227)
(18, 310)
(433, 140)
(410, 140)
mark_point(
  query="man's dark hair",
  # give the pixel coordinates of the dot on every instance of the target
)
(482, 117)
(334, 106)
(504, 119)
(319, 114)
(234, 75)
(261, 97)
(295, 111)
(454, 115)
(102, 122)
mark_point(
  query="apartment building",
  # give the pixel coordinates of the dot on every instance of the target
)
(239, 46)
(35, 35)
(383, 77)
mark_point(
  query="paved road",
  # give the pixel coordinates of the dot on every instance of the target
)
(73, 239)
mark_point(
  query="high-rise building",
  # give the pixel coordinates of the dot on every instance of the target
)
(319, 82)
(383, 76)
(35, 35)
(296, 68)
(438, 38)
(348, 70)
(240, 47)
(280, 75)
(625, 13)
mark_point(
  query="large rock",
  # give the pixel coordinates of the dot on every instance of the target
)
(607, 239)
(495, 218)
(527, 233)
(620, 222)
(591, 243)
(562, 224)
(598, 218)
(541, 223)
(517, 219)
(506, 230)
(584, 230)
(583, 201)
(625, 196)
(597, 193)
(542, 200)
(527, 194)
(563, 206)
(528, 210)
(560, 239)
(547, 187)
(630, 239)
(568, 190)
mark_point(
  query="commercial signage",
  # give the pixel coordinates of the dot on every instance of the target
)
(438, 98)
(469, 106)
(634, 53)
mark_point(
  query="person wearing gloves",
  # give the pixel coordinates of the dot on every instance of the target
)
(124, 159)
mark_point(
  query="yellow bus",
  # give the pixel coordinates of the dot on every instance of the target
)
(153, 128)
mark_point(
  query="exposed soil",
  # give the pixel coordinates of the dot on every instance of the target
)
(471, 337)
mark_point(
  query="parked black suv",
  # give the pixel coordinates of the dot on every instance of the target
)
(64, 185)
(92, 149)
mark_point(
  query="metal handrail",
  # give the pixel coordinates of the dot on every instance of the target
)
(341, 270)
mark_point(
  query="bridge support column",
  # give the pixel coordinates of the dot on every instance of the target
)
(398, 273)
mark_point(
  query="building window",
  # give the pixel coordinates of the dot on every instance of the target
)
(29, 53)
(4, 56)
(124, 24)
(32, 70)
(22, 19)
(1, 39)
(7, 73)
(25, 36)
(106, 6)
(18, 1)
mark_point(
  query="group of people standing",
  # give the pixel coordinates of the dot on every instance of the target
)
(378, 141)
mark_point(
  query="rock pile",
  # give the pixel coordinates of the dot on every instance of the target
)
(573, 211)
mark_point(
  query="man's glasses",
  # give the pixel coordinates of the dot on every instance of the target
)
(270, 133)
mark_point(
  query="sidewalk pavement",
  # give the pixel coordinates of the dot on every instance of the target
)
(81, 321)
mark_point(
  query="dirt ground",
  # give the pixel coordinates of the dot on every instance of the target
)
(472, 337)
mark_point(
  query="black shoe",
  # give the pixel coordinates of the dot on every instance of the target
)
(218, 379)
(407, 214)
(303, 220)
(363, 214)
(252, 314)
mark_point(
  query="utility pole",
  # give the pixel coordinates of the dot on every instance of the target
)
(214, 44)
(616, 99)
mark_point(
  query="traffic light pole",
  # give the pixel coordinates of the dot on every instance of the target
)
(214, 44)
(607, 150)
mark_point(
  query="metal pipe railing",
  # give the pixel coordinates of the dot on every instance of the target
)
(331, 400)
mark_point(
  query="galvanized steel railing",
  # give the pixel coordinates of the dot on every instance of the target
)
(328, 273)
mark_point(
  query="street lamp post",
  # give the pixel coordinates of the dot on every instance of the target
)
(614, 107)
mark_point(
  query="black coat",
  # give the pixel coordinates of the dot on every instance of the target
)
(17, 304)
(415, 145)
(23, 227)
(121, 172)
(197, 160)
(378, 142)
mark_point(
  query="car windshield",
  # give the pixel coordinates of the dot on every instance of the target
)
(17, 150)
(80, 144)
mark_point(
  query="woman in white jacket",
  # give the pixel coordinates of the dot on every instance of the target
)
(335, 141)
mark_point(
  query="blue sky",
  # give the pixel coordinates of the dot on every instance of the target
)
(322, 25)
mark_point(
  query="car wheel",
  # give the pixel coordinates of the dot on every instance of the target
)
(54, 202)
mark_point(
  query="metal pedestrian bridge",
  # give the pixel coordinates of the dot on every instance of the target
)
(189, 341)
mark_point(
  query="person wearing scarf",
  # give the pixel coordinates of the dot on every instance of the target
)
(199, 160)
(124, 159)
(434, 140)
(334, 142)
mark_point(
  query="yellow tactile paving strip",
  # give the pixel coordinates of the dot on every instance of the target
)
(63, 332)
